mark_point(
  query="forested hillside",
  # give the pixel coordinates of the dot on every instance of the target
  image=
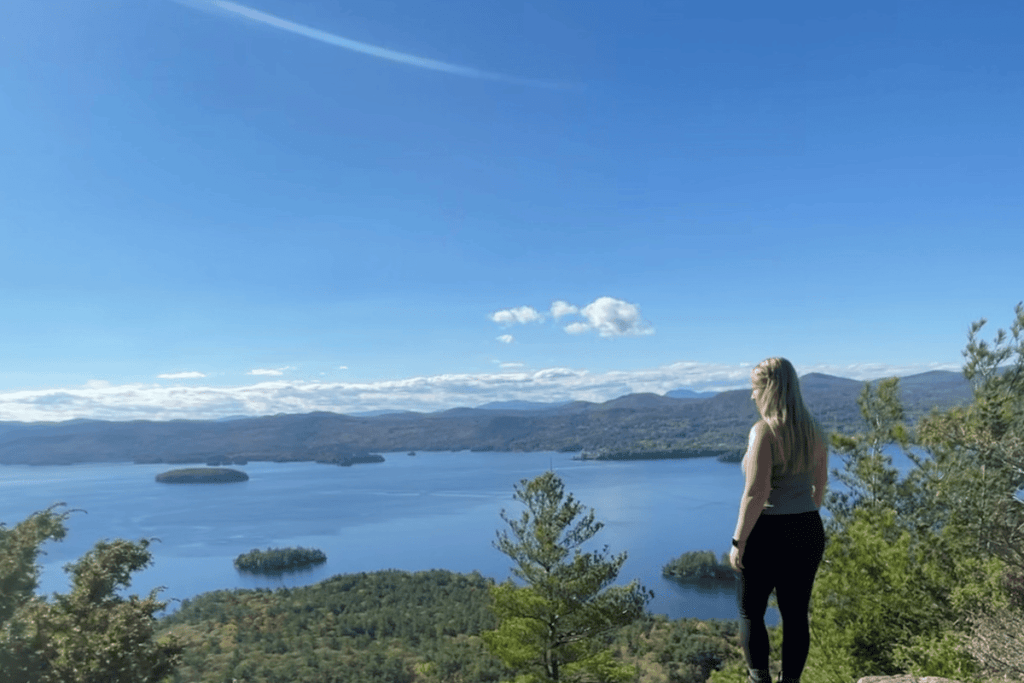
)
(365, 627)
(397, 627)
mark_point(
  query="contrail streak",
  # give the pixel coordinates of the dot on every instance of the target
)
(356, 46)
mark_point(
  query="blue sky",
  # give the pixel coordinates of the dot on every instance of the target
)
(211, 208)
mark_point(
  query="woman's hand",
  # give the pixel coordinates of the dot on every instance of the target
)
(736, 558)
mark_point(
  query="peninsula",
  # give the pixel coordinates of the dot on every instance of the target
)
(202, 475)
(722, 454)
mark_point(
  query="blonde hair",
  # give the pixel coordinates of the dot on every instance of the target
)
(782, 407)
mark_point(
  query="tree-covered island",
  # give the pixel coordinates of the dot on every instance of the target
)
(277, 560)
(349, 459)
(202, 475)
(699, 566)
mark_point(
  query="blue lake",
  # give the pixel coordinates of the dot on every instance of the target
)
(434, 510)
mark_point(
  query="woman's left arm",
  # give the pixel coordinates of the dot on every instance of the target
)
(757, 466)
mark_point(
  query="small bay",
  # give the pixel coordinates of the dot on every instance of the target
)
(432, 510)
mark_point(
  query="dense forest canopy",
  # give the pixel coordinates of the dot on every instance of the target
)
(394, 626)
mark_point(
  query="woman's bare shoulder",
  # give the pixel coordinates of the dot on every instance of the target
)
(760, 434)
(761, 430)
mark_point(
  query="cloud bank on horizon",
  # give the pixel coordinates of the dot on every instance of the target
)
(105, 401)
(608, 316)
(236, 9)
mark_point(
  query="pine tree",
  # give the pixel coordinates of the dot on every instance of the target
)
(925, 572)
(91, 634)
(551, 625)
(977, 467)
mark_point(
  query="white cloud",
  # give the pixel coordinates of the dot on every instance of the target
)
(508, 366)
(103, 401)
(270, 372)
(523, 314)
(614, 318)
(561, 308)
(343, 367)
(608, 316)
(506, 339)
(577, 328)
(182, 375)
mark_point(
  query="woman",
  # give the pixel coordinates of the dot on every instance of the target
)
(779, 538)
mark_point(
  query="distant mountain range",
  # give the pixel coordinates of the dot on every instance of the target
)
(682, 421)
(687, 393)
(520, 405)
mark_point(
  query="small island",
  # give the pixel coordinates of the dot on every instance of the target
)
(349, 459)
(202, 475)
(278, 560)
(699, 566)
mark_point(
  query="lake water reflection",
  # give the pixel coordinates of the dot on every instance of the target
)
(434, 510)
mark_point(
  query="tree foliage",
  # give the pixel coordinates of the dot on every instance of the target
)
(882, 601)
(379, 627)
(92, 634)
(921, 566)
(868, 477)
(551, 625)
(977, 468)
(681, 650)
(391, 626)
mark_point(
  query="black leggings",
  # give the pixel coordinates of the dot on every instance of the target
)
(782, 553)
